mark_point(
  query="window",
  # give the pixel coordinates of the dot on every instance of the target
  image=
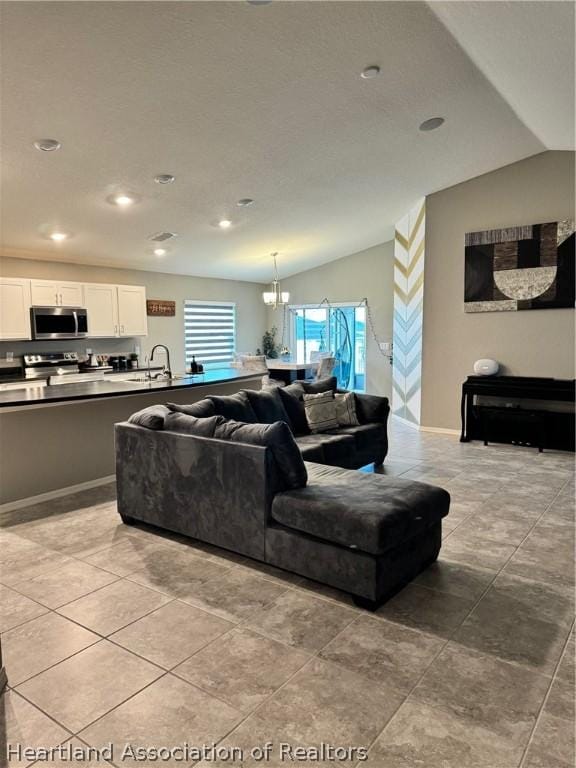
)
(210, 332)
(338, 329)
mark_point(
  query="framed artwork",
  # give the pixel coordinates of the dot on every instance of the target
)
(517, 268)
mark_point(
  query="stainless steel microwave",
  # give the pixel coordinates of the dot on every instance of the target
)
(59, 322)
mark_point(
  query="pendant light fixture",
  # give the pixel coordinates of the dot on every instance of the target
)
(275, 297)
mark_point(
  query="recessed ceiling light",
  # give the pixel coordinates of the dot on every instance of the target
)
(431, 124)
(47, 145)
(224, 223)
(164, 178)
(123, 200)
(244, 202)
(57, 236)
(159, 251)
(370, 72)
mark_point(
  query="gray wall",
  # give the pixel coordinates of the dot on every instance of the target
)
(526, 343)
(250, 310)
(368, 274)
(47, 448)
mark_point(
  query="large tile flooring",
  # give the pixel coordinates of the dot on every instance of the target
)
(118, 634)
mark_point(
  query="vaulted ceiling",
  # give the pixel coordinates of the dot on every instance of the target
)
(263, 101)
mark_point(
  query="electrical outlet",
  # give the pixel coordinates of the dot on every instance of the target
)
(386, 346)
(88, 350)
(9, 357)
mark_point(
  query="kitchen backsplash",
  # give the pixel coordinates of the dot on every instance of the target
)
(123, 346)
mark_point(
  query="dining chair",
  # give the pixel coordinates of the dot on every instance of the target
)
(325, 367)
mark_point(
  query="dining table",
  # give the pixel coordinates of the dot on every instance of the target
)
(289, 370)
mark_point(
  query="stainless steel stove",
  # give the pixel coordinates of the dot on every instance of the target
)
(41, 366)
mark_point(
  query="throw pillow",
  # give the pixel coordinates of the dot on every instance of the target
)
(151, 417)
(202, 409)
(346, 409)
(182, 422)
(321, 385)
(321, 411)
(291, 397)
(279, 439)
(235, 407)
(267, 405)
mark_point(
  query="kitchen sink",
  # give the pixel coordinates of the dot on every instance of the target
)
(145, 380)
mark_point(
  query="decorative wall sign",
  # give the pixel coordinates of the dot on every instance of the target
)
(520, 268)
(160, 308)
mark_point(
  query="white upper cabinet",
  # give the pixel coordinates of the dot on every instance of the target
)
(113, 310)
(132, 319)
(101, 301)
(14, 308)
(52, 293)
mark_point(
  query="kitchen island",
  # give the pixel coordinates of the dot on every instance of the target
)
(59, 439)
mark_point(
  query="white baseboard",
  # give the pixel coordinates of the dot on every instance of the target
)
(420, 428)
(441, 431)
(405, 422)
(9, 506)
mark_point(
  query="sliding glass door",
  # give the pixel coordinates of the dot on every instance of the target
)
(339, 330)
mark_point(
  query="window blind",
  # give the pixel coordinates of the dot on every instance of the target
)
(210, 332)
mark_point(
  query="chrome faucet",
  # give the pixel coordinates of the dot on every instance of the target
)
(167, 368)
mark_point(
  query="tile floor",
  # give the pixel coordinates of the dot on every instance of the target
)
(124, 635)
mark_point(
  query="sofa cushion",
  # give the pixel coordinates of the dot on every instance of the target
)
(320, 411)
(151, 417)
(267, 405)
(372, 513)
(182, 422)
(321, 385)
(367, 437)
(202, 409)
(346, 409)
(236, 407)
(275, 436)
(291, 397)
(334, 449)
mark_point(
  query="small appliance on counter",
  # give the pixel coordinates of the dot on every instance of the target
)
(196, 367)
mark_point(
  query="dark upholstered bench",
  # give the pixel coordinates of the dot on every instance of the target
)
(368, 534)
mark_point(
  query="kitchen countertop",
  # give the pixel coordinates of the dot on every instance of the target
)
(112, 387)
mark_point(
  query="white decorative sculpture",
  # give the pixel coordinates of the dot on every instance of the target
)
(485, 367)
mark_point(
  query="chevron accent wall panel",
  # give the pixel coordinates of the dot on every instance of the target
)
(408, 305)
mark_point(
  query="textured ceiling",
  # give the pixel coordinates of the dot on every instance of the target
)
(262, 101)
(526, 50)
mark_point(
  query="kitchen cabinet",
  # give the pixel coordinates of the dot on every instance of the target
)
(132, 318)
(15, 308)
(53, 293)
(101, 302)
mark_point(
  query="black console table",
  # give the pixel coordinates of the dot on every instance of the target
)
(545, 428)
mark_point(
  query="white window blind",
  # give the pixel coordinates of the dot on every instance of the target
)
(210, 332)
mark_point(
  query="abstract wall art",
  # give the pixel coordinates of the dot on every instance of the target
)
(517, 268)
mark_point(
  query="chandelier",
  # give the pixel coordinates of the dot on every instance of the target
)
(275, 297)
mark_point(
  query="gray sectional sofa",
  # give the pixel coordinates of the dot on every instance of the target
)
(226, 471)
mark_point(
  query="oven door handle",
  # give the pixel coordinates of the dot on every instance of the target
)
(75, 322)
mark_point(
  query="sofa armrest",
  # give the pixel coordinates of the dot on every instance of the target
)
(372, 409)
(212, 490)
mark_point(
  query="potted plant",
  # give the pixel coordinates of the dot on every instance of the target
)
(269, 343)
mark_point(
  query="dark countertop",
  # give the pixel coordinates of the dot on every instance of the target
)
(95, 390)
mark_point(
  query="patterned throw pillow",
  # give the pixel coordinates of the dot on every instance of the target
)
(321, 412)
(346, 409)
